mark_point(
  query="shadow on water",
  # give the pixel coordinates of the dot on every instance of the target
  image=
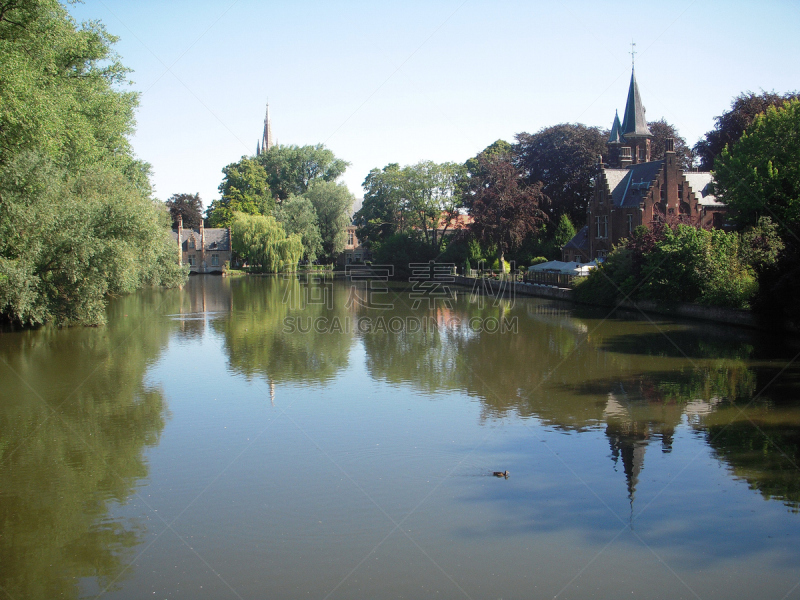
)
(75, 420)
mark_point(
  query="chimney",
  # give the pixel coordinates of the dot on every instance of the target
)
(202, 237)
(180, 238)
(670, 144)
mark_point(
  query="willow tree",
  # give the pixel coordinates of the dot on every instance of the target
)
(263, 243)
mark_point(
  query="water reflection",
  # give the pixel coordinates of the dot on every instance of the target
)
(75, 419)
(258, 341)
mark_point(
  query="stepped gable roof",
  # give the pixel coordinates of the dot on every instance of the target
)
(634, 123)
(217, 238)
(701, 186)
(614, 137)
(581, 239)
(636, 180)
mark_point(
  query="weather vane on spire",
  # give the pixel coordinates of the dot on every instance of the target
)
(633, 45)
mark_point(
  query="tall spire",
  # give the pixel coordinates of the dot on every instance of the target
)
(258, 148)
(266, 139)
(634, 123)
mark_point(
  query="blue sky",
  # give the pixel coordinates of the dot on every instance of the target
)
(380, 82)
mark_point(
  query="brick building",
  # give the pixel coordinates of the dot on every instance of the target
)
(205, 250)
(631, 188)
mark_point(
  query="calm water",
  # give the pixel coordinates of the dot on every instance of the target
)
(195, 448)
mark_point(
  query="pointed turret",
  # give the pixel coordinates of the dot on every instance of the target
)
(614, 137)
(258, 148)
(634, 124)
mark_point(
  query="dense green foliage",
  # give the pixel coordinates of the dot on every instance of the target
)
(421, 200)
(297, 215)
(759, 175)
(333, 204)
(263, 243)
(296, 185)
(292, 169)
(678, 262)
(77, 221)
(730, 125)
(243, 189)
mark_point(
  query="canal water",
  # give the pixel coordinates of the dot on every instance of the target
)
(293, 438)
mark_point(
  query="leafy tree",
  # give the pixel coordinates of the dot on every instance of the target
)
(562, 157)
(661, 131)
(760, 174)
(189, 207)
(401, 250)
(263, 243)
(504, 210)
(333, 204)
(730, 125)
(422, 199)
(292, 169)
(474, 166)
(380, 215)
(564, 232)
(297, 215)
(243, 189)
(77, 221)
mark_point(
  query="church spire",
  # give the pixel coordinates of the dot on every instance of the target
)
(266, 138)
(634, 123)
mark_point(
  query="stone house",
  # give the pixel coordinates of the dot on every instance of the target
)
(205, 250)
(631, 189)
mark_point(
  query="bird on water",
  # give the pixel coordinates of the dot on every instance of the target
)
(500, 474)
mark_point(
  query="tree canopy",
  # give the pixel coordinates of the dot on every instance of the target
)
(243, 189)
(562, 157)
(658, 145)
(188, 206)
(760, 174)
(333, 204)
(504, 208)
(77, 219)
(297, 215)
(730, 125)
(421, 200)
(292, 169)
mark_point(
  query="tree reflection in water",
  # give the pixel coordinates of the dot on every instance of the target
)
(75, 419)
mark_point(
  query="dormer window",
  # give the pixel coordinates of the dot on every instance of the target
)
(191, 243)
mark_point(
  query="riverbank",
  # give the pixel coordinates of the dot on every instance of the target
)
(728, 316)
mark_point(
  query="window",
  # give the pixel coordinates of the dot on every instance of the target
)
(350, 237)
(191, 243)
(630, 223)
(680, 192)
(642, 154)
(215, 260)
(605, 226)
(597, 222)
(191, 260)
(578, 258)
(601, 254)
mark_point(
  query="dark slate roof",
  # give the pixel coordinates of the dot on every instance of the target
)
(216, 238)
(632, 187)
(634, 123)
(614, 138)
(581, 239)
